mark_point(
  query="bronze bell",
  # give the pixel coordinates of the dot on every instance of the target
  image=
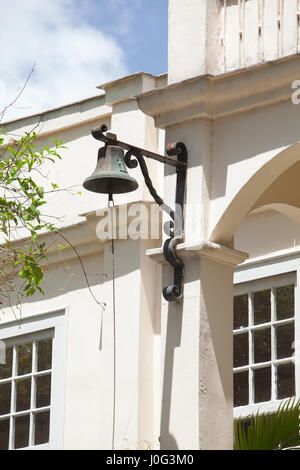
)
(110, 175)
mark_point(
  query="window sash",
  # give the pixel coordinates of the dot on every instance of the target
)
(37, 327)
(15, 378)
(249, 288)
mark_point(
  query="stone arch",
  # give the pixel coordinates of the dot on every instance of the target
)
(290, 211)
(246, 198)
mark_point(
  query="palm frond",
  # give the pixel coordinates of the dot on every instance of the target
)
(270, 431)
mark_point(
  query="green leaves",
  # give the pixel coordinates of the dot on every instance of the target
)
(33, 275)
(270, 431)
(21, 199)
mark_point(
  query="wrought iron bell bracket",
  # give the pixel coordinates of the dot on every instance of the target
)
(175, 227)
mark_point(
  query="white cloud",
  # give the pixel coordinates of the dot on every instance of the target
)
(71, 55)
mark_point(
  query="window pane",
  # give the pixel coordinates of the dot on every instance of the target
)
(23, 394)
(285, 340)
(24, 359)
(262, 345)
(262, 384)
(21, 431)
(4, 433)
(240, 350)
(262, 306)
(43, 390)
(5, 398)
(285, 380)
(284, 302)
(42, 421)
(44, 354)
(241, 389)
(6, 369)
(240, 311)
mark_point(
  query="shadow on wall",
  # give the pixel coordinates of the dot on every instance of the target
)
(242, 137)
(64, 277)
(173, 340)
(259, 184)
(192, 389)
(263, 233)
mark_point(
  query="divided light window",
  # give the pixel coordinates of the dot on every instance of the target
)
(25, 391)
(263, 338)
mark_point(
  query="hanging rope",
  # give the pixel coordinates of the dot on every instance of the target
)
(111, 209)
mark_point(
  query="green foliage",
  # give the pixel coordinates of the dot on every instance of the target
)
(21, 201)
(270, 431)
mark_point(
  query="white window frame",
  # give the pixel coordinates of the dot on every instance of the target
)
(37, 327)
(264, 273)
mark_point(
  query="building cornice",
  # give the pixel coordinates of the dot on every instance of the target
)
(126, 88)
(202, 249)
(216, 96)
(66, 243)
(60, 119)
(84, 238)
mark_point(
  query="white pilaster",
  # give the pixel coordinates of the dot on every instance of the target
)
(129, 346)
(193, 29)
(197, 350)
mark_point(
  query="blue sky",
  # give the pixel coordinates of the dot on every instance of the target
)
(74, 46)
(140, 26)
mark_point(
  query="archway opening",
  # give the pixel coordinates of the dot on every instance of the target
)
(266, 309)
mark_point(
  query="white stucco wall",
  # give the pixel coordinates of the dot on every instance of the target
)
(265, 233)
(89, 378)
(225, 35)
(231, 68)
(241, 133)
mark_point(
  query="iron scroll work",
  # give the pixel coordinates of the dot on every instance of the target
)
(175, 227)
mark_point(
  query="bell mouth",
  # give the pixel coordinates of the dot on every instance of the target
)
(110, 185)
